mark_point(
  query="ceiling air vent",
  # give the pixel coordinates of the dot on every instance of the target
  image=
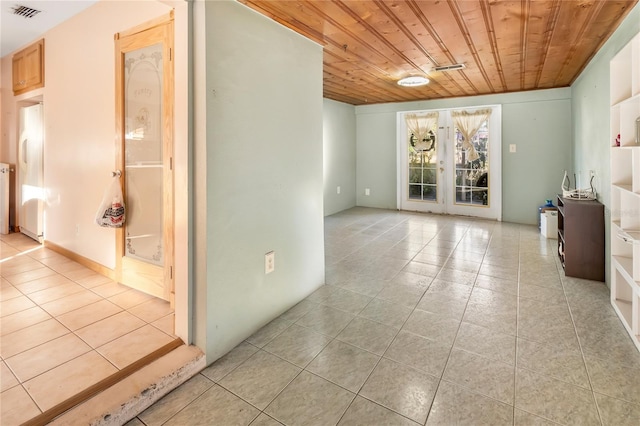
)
(24, 11)
(450, 67)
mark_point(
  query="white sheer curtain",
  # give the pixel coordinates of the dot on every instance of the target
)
(468, 123)
(419, 125)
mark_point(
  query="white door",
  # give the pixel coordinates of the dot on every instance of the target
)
(422, 152)
(31, 171)
(439, 172)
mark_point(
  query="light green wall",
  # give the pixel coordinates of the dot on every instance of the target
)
(263, 173)
(542, 134)
(339, 141)
(590, 109)
(376, 156)
(538, 122)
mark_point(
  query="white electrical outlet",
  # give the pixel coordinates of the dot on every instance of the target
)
(77, 229)
(512, 147)
(367, 191)
(269, 262)
(338, 190)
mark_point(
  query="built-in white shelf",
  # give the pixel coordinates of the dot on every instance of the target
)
(625, 187)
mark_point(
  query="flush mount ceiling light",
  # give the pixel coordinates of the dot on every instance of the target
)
(413, 81)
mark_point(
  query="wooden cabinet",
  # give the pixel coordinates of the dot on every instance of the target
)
(625, 186)
(28, 68)
(581, 238)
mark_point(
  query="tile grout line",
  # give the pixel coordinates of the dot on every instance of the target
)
(357, 393)
(518, 338)
(455, 337)
(391, 343)
(584, 359)
(69, 330)
(213, 383)
(515, 359)
(32, 398)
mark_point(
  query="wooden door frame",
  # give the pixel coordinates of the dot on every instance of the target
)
(163, 23)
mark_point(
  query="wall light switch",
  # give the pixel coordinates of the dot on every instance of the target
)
(512, 147)
(338, 190)
(269, 262)
(367, 191)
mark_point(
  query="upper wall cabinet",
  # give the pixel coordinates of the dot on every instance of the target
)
(28, 68)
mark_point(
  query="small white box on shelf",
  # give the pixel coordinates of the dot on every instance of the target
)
(549, 224)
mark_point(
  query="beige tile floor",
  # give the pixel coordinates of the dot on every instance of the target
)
(426, 320)
(64, 327)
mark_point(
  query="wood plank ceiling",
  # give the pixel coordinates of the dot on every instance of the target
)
(506, 46)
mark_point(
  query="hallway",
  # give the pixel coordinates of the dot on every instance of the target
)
(426, 319)
(64, 328)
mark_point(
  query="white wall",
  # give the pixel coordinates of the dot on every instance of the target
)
(263, 173)
(538, 122)
(79, 115)
(591, 121)
(339, 153)
(183, 177)
(590, 108)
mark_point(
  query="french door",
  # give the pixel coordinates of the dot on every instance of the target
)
(449, 161)
(144, 126)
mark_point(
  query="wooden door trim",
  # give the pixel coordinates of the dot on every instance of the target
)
(163, 28)
(152, 23)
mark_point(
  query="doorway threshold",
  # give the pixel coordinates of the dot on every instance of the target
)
(129, 396)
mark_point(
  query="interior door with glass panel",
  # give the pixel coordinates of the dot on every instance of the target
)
(144, 102)
(450, 161)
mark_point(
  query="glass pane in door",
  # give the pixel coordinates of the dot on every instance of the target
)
(423, 177)
(143, 154)
(472, 177)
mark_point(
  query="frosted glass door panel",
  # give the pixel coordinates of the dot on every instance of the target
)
(143, 154)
